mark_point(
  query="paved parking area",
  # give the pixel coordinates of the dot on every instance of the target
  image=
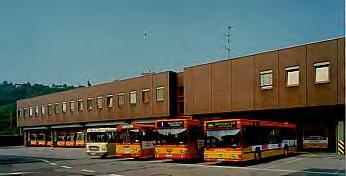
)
(59, 161)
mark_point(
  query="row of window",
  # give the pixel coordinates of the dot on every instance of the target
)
(50, 108)
(292, 76)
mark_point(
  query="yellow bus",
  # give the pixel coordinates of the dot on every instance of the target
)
(135, 141)
(101, 142)
(179, 139)
(243, 140)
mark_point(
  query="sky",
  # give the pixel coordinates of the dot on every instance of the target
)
(73, 41)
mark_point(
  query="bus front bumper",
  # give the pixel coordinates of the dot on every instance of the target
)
(97, 153)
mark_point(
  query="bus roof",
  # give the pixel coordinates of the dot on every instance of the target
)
(251, 122)
(135, 126)
(187, 121)
(99, 130)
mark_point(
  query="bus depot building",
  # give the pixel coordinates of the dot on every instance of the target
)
(303, 84)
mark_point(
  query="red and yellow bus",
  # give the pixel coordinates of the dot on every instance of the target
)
(179, 139)
(315, 137)
(80, 138)
(33, 138)
(61, 139)
(244, 140)
(44, 138)
(135, 141)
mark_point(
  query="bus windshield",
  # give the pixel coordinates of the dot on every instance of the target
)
(172, 136)
(223, 138)
(94, 137)
(129, 136)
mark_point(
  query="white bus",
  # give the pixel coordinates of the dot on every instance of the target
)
(101, 142)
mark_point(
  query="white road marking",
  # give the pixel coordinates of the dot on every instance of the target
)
(263, 169)
(111, 175)
(86, 170)
(17, 173)
(44, 160)
(284, 163)
(54, 164)
(67, 167)
(158, 161)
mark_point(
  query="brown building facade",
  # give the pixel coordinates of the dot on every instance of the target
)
(147, 96)
(302, 76)
(303, 84)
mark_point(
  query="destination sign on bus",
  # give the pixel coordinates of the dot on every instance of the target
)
(170, 124)
(229, 124)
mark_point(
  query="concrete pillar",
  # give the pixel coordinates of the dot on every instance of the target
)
(340, 142)
(24, 138)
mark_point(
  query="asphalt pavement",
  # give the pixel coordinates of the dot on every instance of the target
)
(70, 161)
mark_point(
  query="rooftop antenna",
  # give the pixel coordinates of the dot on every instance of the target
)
(228, 41)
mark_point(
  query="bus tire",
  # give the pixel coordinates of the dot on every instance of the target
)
(286, 151)
(103, 156)
(257, 155)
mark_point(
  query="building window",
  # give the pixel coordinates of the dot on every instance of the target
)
(25, 112)
(36, 111)
(321, 72)
(43, 109)
(160, 96)
(80, 105)
(146, 96)
(109, 101)
(72, 106)
(292, 76)
(266, 78)
(30, 111)
(121, 99)
(99, 102)
(133, 97)
(90, 103)
(19, 113)
(49, 109)
(56, 108)
(64, 106)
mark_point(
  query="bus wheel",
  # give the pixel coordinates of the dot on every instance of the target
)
(257, 155)
(103, 156)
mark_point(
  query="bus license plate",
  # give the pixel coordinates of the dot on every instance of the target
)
(92, 154)
(220, 160)
(168, 156)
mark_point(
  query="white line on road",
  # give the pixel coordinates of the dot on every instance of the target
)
(285, 163)
(86, 170)
(158, 161)
(263, 169)
(44, 160)
(67, 167)
(54, 164)
(111, 175)
(17, 173)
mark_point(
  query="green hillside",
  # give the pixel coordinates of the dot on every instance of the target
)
(10, 93)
